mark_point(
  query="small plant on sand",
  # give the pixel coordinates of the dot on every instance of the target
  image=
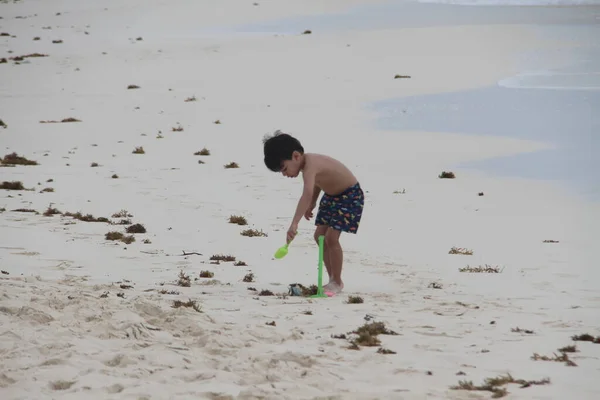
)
(203, 152)
(403, 191)
(128, 239)
(25, 210)
(122, 214)
(114, 235)
(165, 291)
(564, 357)
(50, 212)
(240, 263)
(249, 277)
(461, 250)
(189, 99)
(190, 304)
(586, 337)
(139, 150)
(447, 175)
(435, 285)
(401, 76)
(568, 349)
(519, 330)
(217, 122)
(62, 121)
(15, 159)
(3, 125)
(47, 190)
(86, 218)
(237, 219)
(481, 269)
(222, 257)
(136, 228)
(32, 55)
(232, 165)
(177, 128)
(367, 334)
(495, 385)
(298, 289)
(354, 300)
(253, 233)
(206, 274)
(115, 176)
(94, 164)
(382, 350)
(133, 87)
(307, 32)
(13, 185)
(184, 280)
(265, 292)
(550, 241)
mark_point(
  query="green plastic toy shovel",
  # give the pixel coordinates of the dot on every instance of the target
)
(282, 251)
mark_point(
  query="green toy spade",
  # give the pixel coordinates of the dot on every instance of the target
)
(282, 251)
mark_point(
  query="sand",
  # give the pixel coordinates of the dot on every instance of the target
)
(86, 317)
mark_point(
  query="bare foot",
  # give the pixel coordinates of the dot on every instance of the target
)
(334, 287)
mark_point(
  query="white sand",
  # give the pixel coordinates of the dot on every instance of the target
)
(60, 338)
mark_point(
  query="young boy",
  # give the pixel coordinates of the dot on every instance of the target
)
(340, 208)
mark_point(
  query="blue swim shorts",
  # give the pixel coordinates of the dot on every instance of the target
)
(342, 211)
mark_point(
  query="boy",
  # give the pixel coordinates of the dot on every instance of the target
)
(340, 208)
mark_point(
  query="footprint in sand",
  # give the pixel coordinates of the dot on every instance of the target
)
(116, 388)
(61, 385)
(120, 360)
(6, 380)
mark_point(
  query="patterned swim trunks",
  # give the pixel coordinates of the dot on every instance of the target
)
(342, 211)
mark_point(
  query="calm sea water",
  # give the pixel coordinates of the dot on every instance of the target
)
(567, 119)
(395, 14)
(556, 98)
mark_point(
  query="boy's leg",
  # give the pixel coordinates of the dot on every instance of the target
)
(345, 218)
(336, 259)
(321, 231)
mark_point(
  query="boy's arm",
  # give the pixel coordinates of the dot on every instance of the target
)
(308, 196)
(315, 196)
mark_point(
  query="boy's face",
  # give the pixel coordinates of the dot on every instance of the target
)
(291, 168)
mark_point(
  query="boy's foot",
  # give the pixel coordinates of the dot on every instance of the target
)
(333, 287)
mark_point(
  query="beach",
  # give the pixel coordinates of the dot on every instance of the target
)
(153, 113)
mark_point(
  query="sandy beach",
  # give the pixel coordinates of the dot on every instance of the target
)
(123, 277)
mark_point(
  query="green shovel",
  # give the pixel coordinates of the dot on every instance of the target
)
(282, 251)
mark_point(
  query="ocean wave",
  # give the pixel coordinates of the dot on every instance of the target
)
(553, 80)
(515, 2)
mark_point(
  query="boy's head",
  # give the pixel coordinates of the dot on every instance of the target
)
(284, 153)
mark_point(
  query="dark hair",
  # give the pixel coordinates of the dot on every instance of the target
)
(279, 147)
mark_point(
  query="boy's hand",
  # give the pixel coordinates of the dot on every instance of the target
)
(309, 213)
(291, 233)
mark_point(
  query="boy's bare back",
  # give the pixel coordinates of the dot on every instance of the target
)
(331, 175)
